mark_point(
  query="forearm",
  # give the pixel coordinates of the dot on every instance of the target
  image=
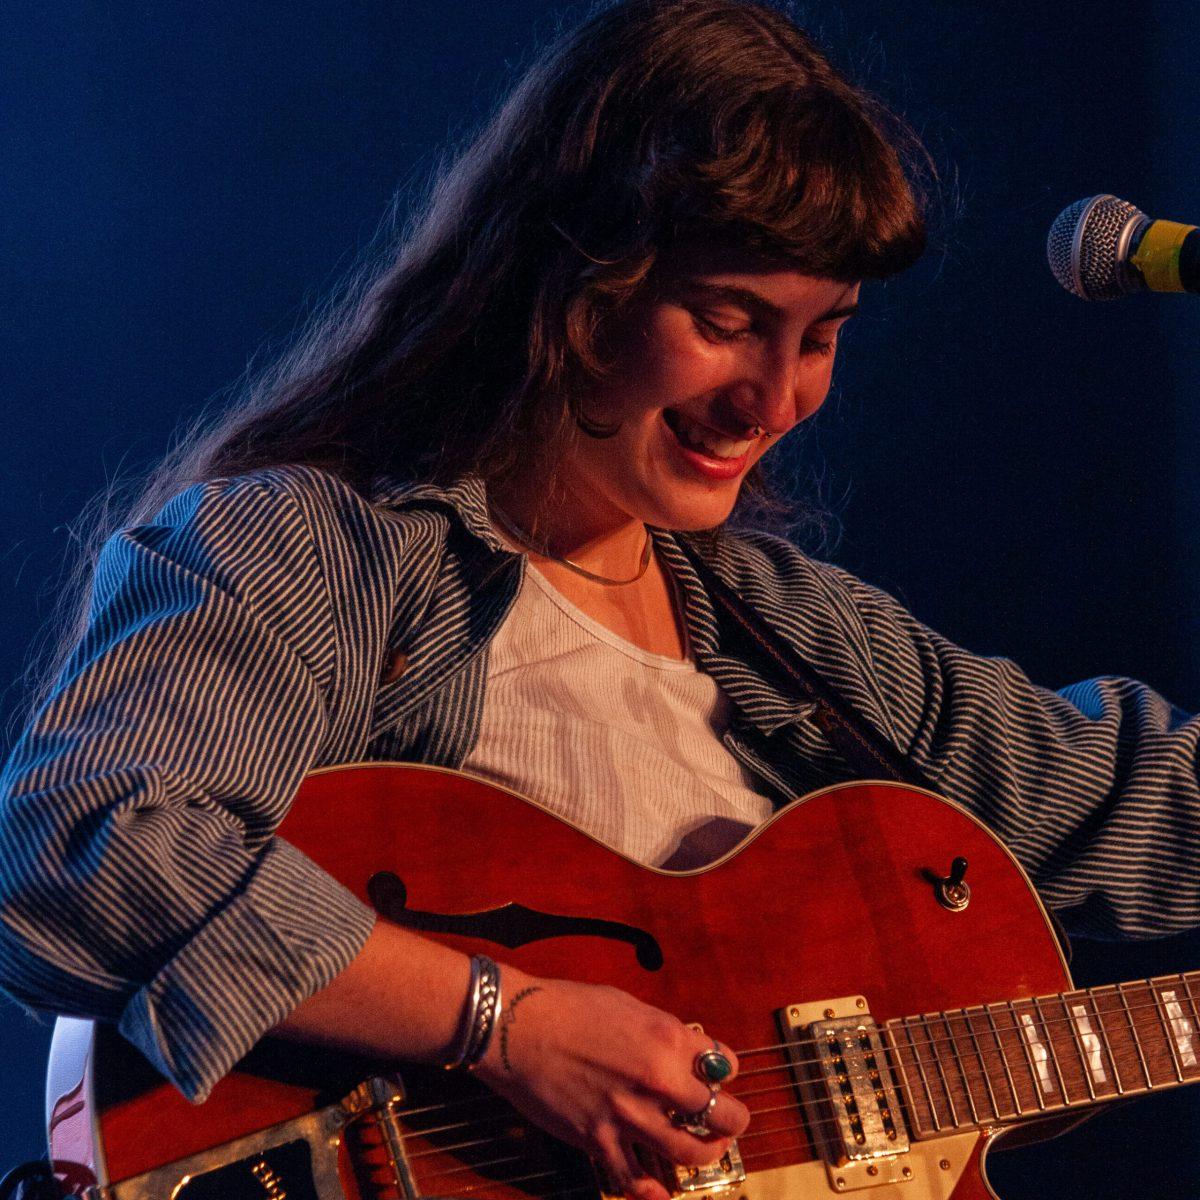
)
(401, 998)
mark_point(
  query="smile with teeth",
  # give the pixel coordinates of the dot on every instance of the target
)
(699, 437)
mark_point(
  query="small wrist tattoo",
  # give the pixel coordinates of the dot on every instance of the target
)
(507, 1017)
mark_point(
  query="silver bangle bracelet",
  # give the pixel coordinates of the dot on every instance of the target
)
(479, 1014)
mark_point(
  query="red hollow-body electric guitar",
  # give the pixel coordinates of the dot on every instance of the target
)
(881, 965)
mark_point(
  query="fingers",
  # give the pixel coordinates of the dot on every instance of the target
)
(652, 1126)
(620, 1161)
(680, 1087)
(712, 1065)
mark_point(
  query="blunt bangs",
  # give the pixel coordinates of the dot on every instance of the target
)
(723, 121)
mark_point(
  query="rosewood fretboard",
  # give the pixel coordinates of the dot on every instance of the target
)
(988, 1064)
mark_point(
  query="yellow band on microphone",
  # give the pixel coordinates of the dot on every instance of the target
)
(1157, 255)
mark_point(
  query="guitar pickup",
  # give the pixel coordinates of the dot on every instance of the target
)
(853, 1066)
(842, 1070)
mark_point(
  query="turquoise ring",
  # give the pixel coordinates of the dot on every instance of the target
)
(712, 1066)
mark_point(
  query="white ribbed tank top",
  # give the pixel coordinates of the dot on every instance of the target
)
(623, 743)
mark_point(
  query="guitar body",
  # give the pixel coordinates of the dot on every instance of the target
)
(834, 898)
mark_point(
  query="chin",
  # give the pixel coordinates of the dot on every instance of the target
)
(690, 518)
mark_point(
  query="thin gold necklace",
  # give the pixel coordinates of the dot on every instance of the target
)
(507, 525)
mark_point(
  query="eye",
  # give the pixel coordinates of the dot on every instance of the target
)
(719, 331)
(822, 342)
(820, 346)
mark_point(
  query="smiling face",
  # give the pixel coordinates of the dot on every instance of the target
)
(719, 347)
(712, 366)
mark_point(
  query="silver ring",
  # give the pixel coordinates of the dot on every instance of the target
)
(711, 1066)
(696, 1123)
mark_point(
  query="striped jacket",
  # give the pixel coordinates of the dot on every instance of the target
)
(239, 639)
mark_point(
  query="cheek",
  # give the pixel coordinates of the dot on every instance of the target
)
(678, 367)
(660, 366)
(812, 392)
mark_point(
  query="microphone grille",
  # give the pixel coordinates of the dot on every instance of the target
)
(1086, 243)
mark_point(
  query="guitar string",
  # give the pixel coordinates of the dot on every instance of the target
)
(500, 1138)
(969, 1019)
(794, 1106)
(926, 1021)
(567, 1169)
(789, 1131)
(897, 1053)
(802, 1107)
(812, 1121)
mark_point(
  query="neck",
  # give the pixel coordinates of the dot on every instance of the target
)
(560, 525)
(997, 1062)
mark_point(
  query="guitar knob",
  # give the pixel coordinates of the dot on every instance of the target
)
(953, 892)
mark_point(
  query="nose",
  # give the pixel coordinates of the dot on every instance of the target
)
(784, 389)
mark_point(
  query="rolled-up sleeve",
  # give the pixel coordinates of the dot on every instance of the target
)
(1093, 787)
(141, 880)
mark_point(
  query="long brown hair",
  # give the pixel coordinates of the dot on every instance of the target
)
(651, 122)
(476, 334)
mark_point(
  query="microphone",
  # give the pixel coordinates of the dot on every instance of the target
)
(1102, 247)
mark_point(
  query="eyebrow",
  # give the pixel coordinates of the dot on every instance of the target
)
(756, 305)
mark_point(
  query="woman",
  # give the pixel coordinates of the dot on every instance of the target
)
(452, 527)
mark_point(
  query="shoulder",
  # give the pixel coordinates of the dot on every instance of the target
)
(295, 536)
(816, 604)
(295, 508)
(290, 489)
(770, 568)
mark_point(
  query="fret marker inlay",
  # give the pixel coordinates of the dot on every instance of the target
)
(1181, 1027)
(1091, 1043)
(1039, 1053)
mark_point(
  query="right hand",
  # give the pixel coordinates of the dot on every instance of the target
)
(600, 1070)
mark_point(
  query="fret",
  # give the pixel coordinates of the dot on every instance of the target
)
(893, 1057)
(1095, 1050)
(1190, 1027)
(1125, 1039)
(1037, 1078)
(1073, 1016)
(937, 1062)
(1137, 1041)
(933, 1115)
(1162, 1017)
(1118, 1086)
(983, 1066)
(1046, 1035)
(1153, 1033)
(952, 1041)
(1012, 1087)
(1187, 988)
(1173, 1026)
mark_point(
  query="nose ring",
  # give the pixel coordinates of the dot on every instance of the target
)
(758, 431)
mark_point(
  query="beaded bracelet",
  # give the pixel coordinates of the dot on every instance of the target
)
(479, 1014)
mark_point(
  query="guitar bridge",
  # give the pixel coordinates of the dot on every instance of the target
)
(719, 1177)
(841, 1067)
(728, 1172)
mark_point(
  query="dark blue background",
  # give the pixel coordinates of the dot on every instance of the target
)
(181, 182)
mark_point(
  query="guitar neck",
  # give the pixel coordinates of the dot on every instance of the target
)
(972, 1067)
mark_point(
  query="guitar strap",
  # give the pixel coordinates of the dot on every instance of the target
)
(848, 732)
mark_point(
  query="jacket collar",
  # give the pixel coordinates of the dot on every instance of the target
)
(760, 702)
(465, 498)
